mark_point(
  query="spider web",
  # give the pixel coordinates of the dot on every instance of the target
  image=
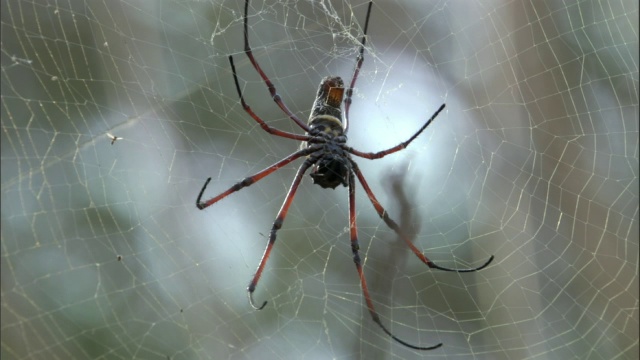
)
(534, 160)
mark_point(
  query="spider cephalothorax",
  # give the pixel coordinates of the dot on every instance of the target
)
(332, 169)
(329, 158)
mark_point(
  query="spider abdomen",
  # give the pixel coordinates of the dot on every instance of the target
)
(326, 111)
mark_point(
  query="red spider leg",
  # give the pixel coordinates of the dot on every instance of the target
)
(393, 225)
(356, 71)
(252, 179)
(353, 231)
(277, 224)
(272, 89)
(402, 145)
(264, 125)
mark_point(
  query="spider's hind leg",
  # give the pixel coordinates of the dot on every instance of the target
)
(356, 70)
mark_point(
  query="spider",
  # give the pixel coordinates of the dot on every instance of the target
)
(329, 158)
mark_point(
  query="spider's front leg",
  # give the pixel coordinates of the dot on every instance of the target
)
(248, 181)
(277, 224)
(393, 225)
(353, 231)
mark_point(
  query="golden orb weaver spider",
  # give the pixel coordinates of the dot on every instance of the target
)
(328, 156)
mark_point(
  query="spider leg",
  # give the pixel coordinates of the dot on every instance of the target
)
(253, 178)
(277, 224)
(402, 145)
(353, 230)
(264, 125)
(393, 225)
(272, 89)
(356, 71)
